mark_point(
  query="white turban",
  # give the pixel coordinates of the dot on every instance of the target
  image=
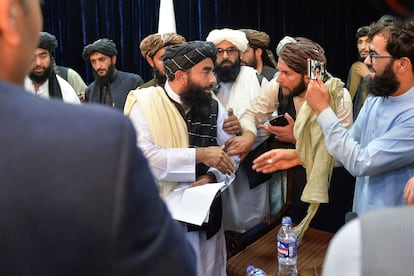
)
(237, 38)
(283, 42)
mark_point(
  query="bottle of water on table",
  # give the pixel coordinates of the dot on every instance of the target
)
(286, 248)
(254, 271)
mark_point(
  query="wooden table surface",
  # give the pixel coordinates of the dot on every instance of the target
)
(263, 254)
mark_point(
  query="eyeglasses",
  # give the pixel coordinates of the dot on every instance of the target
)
(372, 56)
(230, 51)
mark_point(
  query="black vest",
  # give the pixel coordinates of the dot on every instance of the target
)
(202, 130)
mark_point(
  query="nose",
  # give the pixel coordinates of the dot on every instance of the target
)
(36, 60)
(212, 79)
(367, 60)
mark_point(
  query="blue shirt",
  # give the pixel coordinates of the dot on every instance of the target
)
(378, 149)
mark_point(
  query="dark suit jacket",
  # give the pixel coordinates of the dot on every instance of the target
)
(77, 196)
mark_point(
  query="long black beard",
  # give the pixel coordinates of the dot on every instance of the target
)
(227, 74)
(385, 84)
(43, 77)
(159, 78)
(108, 78)
(196, 99)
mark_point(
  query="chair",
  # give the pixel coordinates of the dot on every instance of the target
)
(236, 242)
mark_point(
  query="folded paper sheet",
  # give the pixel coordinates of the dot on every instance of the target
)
(192, 205)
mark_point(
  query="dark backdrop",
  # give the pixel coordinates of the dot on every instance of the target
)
(331, 23)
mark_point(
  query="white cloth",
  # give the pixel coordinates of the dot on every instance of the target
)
(68, 93)
(243, 207)
(235, 37)
(343, 257)
(211, 259)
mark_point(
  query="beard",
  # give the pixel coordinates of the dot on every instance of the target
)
(385, 84)
(252, 63)
(108, 78)
(195, 97)
(41, 78)
(298, 89)
(227, 73)
(159, 78)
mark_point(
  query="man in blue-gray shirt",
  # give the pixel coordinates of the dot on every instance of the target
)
(379, 147)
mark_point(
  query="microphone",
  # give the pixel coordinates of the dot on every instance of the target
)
(350, 216)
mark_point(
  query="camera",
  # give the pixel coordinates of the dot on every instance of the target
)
(279, 121)
(316, 69)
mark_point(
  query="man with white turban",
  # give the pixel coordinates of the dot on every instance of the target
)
(245, 203)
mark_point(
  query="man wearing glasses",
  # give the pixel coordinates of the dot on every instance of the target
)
(244, 204)
(379, 147)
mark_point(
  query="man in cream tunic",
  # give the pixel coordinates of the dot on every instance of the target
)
(162, 118)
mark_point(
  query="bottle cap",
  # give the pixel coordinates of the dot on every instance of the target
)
(286, 220)
(250, 268)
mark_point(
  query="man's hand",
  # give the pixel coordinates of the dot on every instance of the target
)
(231, 125)
(362, 70)
(240, 145)
(317, 95)
(276, 160)
(215, 157)
(204, 179)
(409, 191)
(283, 133)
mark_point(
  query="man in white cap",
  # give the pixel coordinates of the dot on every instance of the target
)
(245, 202)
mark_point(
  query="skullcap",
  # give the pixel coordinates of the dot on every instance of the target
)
(186, 55)
(151, 44)
(283, 42)
(257, 39)
(236, 37)
(103, 45)
(47, 41)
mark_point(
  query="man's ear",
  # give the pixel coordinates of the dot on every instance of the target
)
(113, 58)
(259, 52)
(9, 21)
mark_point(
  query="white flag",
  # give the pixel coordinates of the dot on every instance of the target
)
(166, 21)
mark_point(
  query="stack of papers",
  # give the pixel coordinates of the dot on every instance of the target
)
(192, 204)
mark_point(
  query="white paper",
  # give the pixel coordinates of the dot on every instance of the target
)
(192, 205)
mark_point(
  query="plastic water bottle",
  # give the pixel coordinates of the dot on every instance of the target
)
(254, 271)
(286, 248)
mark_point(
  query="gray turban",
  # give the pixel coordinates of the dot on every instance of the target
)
(103, 45)
(186, 55)
(47, 41)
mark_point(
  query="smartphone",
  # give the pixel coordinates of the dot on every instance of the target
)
(316, 69)
(279, 121)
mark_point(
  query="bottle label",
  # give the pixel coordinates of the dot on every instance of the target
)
(286, 250)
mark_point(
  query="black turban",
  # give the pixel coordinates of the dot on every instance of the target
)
(47, 41)
(103, 45)
(186, 55)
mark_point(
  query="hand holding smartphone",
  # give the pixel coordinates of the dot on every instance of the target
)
(279, 121)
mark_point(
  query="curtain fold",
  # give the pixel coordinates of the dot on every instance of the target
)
(77, 23)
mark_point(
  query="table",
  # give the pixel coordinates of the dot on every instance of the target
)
(262, 254)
